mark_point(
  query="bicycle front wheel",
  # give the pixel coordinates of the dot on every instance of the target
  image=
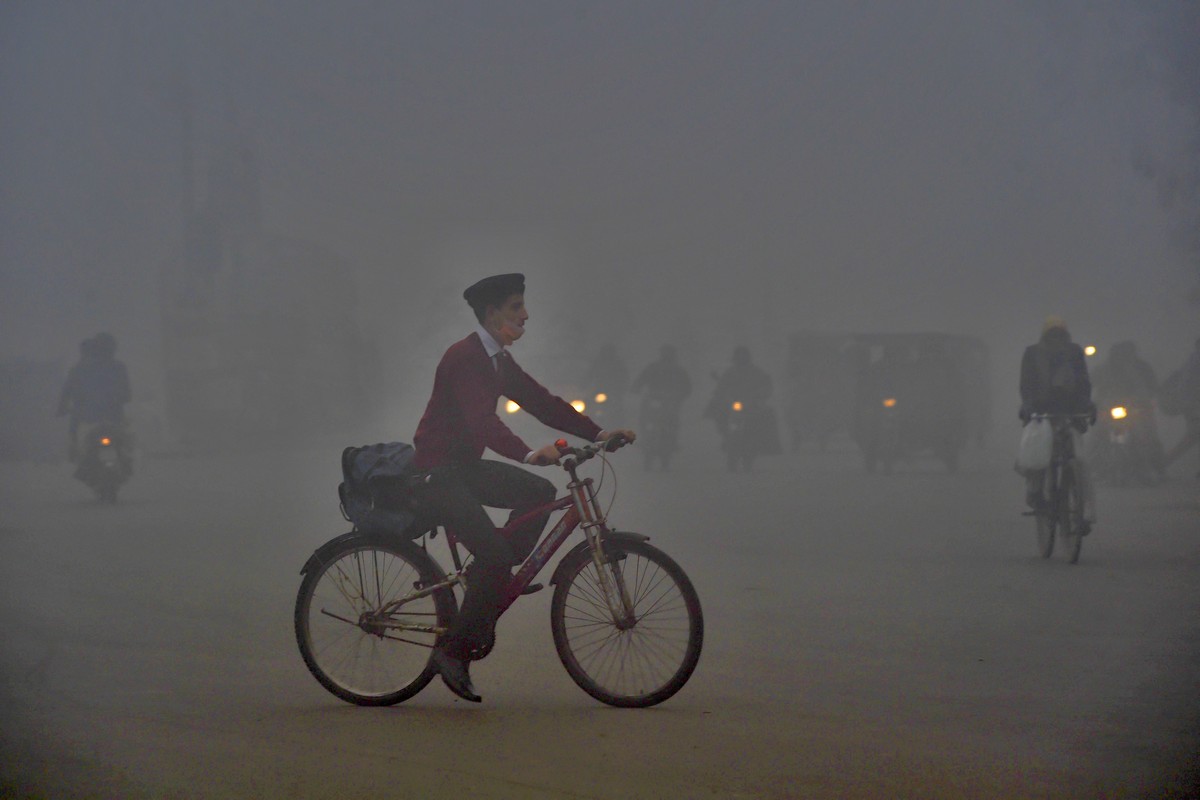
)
(1071, 506)
(641, 659)
(365, 626)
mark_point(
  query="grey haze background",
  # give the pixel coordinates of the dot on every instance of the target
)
(718, 172)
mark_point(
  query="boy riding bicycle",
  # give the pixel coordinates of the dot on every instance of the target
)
(459, 422)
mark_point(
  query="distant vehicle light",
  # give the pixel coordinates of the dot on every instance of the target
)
(511, 407)
(889, 402)
(601, 397)
(105, 441)
(1119, 412)
(737, 405)
(579, 405)
(1090, 350)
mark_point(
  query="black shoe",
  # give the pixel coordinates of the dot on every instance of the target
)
(454, 675)
(532, 588)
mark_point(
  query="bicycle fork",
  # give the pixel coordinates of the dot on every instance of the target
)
(608, 567)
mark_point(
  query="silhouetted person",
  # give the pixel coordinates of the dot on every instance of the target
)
(741, 393)
(607, 375)
(1126, 379)
(1054, 380)
(96, 390)
(664, 385)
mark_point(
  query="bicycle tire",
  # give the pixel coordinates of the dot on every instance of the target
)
(646, 663)
(1046, 520)
(1045, 534)
(1071, 510)
(358, 663)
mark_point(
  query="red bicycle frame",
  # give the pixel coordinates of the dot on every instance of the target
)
(581, 507)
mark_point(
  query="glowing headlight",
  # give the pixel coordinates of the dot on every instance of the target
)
(1090, 350)
(1119, 412)
(601, 397)
(511, 407)
(579, 405)
(889, 402)
(105, 441)
(737, 405)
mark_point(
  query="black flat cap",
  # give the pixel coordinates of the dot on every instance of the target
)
(494, 290)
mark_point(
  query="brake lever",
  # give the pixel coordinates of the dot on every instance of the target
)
(615, 443)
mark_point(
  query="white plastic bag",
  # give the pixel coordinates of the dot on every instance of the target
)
(1037, 441)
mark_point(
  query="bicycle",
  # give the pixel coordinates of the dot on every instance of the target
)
(625, 619)
(1063, 512)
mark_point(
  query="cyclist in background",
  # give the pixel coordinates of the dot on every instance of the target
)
(1054, 380)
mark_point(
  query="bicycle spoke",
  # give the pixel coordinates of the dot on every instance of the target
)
(631, 661)
(356, 652)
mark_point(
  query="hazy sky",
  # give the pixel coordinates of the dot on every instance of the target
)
(714, 171)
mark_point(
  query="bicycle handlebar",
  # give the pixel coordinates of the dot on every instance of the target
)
(581, 454)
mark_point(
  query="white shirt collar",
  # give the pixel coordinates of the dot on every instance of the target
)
(490, 345)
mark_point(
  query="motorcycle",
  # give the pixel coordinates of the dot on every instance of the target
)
(659, 432)
(751, 430)
(106, 462)
(1120, 450)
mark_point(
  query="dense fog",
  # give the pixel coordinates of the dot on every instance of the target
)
(274, 207)
(700, 173)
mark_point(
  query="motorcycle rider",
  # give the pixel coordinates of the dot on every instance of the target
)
(96, 390)
(1126, 378)
(744, 382)
(666, 385)
(607, 375)
(459, 422)
(889, 377)
(1054, 380)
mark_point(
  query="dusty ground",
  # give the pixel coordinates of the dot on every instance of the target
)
(866, 637)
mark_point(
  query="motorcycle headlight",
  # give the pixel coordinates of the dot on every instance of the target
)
(889, 402)
(737, 405)
(511, 407)
(105, 441)
(601, 397)
(579, 405)
(1119, 412)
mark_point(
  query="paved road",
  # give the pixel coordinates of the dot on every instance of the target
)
(866, 637)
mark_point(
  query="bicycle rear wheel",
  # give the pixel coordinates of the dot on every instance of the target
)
(364, 629)
(1046, 519)
(635, 663)
(1071, 514)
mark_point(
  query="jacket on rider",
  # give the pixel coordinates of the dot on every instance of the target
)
(1054, 376)
(97, 387)
(460, 419)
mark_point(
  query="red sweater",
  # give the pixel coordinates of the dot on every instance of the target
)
(461, 420)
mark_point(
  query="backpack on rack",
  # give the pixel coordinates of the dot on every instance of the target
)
(365, 472)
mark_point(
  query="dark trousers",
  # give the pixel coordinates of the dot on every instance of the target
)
(455, 496)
